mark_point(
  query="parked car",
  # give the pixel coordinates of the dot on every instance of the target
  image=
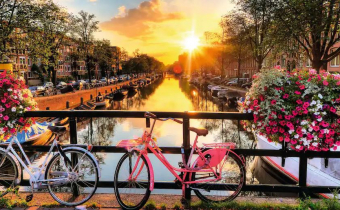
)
(104, 81)
(48, 85)
(61, 85)
(41, 91)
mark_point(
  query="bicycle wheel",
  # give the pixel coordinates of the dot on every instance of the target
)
(233, 177)
(8, 173)
(74, 183)
(134, 193)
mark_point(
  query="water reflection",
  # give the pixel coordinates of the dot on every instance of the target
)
(162, 95)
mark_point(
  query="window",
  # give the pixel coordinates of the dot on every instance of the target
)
(336, 61)
(308, 63)
(22, 60)
(28, 61)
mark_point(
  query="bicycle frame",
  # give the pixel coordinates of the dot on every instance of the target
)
(150, 144)
(35, 177)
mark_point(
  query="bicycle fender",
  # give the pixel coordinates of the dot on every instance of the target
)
(87, 152)
(152, 177)
(16, 162)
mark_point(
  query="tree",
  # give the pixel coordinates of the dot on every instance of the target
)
(235, 38)
(314, 24)
(14, 15)
(104, 57)
(85, 26)
(47, 35)
(257, 18)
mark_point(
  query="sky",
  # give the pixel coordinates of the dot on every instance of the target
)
(155, 27)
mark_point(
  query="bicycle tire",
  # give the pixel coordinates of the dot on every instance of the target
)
(96, 179)
(208, 198)
(127, 205)
(9, 166)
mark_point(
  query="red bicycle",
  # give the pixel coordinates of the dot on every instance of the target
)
(217, 174)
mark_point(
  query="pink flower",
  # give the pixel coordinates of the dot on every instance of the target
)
(293, 141)
(273, 102)
(3, 100)
(6, 118)
(294, 112)
(332, 109)
(281, 130)
(275, 130)
(325, 82)
(286, 96)
(305, 105)
(316, 128)
(312, 71)
(299, 101)
(302, 87)
(256, 102)
(338, 83)
(280, 138)
(287, 139)
(12, 130)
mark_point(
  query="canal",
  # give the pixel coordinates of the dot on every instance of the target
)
(169, 94)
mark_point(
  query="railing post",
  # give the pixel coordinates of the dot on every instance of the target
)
(186, 145)
(91, 97)
(67, 104)
(73, 140)
(81, 100)
(302, 176)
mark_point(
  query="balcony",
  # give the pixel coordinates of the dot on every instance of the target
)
(18, 67)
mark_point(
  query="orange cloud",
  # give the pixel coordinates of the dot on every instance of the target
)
(140, 22)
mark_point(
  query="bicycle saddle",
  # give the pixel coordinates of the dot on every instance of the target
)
(199, 131)
(57, 129)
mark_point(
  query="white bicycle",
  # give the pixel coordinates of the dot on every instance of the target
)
(71, 175)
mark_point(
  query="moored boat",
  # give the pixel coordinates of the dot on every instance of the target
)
(317, 173)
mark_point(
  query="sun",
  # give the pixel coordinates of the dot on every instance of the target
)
(191, 43)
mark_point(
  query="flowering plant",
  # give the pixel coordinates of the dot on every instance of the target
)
(297, 107)
(15, 99)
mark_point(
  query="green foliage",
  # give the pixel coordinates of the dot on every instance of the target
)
(142, 63)
(150, 205)
(177, 206)
(162, 206)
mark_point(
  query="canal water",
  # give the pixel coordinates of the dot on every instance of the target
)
(168, 94)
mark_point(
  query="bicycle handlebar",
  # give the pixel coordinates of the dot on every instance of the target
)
(153, 116)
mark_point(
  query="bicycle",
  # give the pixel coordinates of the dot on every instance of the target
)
(71, 175)
(217, 174)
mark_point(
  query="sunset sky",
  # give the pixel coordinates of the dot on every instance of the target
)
(155, 27)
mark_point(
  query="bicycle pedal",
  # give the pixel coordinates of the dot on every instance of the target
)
(180, 164)
(29, 198)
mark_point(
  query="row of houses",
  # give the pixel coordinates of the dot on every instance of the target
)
(211, 60)
(22, 64)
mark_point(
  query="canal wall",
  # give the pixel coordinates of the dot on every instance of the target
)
(58, 102)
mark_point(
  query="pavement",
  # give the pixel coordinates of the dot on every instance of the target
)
(43, 201)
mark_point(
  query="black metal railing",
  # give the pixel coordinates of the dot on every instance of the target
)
(300, 188)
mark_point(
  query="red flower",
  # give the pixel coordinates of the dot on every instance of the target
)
(286, 96)
(325, 82)
(297, 92)
(273, 102)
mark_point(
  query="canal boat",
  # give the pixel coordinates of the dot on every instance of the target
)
(216, 89)
(317, 173)
(100, 101)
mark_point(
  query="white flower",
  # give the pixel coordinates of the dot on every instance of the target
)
(244, 111)
(253, 126)
(313, 102)
(317, 113)
(324, 113)
(298, 147)
(320, 119)
(249, 111)
(15, 97)
(296, 136)
(14, 109)
(320, 96)
(255, 112)
(315, 144)
(290, 131)
(310, 129)
(9, 89)
(303, 131)
(248, 102)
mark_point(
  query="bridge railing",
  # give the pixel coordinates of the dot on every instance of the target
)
(301, 188)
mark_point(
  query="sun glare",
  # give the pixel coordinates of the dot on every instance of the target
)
(191, 43)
